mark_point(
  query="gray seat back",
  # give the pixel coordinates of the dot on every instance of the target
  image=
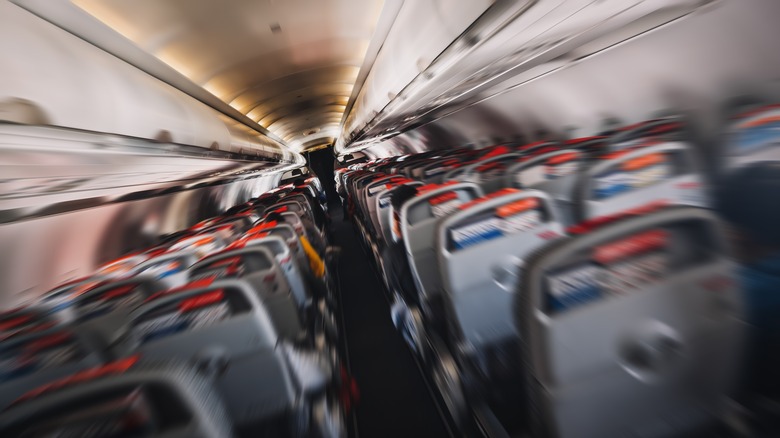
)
(119, 267)
(488, 173)
(227, 313)
(667, 128)
(753, 137)
(24, 320)
(480, 251)
(641, 317)
(60, 301)
(384, 210)
(664, 173)
(554, 173)
(225, 323)
(381, 190)
(201, 243)
(278, 247)
(258, 267)
(289, 206)
(105, 308)
(123, 398)
(287, 232)
(433, 173)
(367, 190)
(170, 268)
(35, 359)
(419, 217)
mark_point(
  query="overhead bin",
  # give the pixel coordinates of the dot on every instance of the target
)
(508, 40)
(113, 96)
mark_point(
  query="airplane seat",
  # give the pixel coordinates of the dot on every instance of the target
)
(170, 268)
(259, 269)
(370, 193)
(456, 170)
(312, 209)
(122, 398)
(489, 173)
(750, 136)
(384, 211)
(419, 217)
(317, 311)
(201, 244)
(554, 173)
(433, 173)
(317, 208)
(312, 234)
(37, 358)
(632, 325)
(665, 128)
(480, 250)
(663, 173)
(591, 147)
(290, 205)
(24, 320)
(288, 234)
(360, 186)
(120, 267)
(373, 192)
(103, 310)
(311, 251)
(281, 251)
(59, 302)
(227, 332)
(351, 181)
(417, 220)
(227, 230)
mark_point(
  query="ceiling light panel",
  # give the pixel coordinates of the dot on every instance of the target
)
(258, 57)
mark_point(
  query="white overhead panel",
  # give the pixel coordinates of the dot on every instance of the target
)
(55, 78)
(468, 54)
(288, 65)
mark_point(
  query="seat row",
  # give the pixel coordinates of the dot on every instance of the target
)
(572, 289)
(223, 329)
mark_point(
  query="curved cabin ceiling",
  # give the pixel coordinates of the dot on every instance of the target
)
(289, 65)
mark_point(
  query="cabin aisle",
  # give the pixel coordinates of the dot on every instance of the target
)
(394, 400)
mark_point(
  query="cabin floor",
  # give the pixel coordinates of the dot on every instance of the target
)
(395, 399)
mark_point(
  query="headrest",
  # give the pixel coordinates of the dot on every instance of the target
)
(753, 130)
(112, 295)
(113, 368)
(625, 170)
(22, 321)
(177, 311)
(533, 170)
(438, 200)
(629, 252)
(668, 128)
